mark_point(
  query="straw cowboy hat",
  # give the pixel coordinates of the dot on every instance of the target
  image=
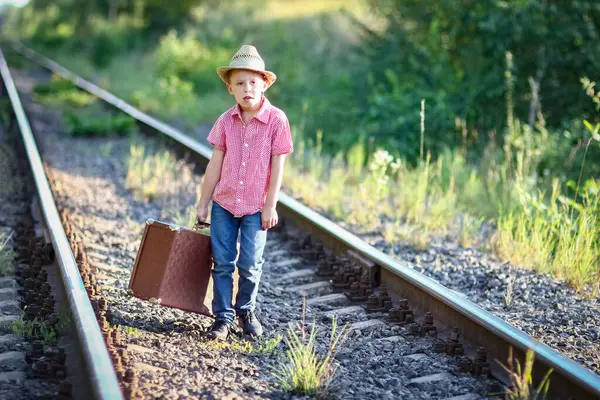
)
(247, 57)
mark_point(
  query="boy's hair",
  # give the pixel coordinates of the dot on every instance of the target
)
(228, 75)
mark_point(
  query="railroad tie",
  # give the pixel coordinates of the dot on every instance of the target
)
(329, 298)
(345, 311)
(370, 323)
(468, 396)
(287, 263)
(277, 253)
(431, 378)
(301, 273)
(304, 290)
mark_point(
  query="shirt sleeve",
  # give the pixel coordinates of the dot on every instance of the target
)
(282, 138)
(216, 137)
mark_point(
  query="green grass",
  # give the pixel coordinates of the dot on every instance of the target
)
(521, 382)
(543, 230)
(94, 122)
(60, 93)
(469, 226)
(148, 173)
(128, 330)
(35, 329)
(557, 237)
(304, 371)
(65, 319)
(82, 115)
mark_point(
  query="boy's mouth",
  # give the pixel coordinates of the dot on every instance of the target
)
(248, 98)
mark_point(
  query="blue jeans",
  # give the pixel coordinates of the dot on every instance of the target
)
(224, 229)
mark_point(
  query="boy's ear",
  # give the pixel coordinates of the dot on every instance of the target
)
(229, 89)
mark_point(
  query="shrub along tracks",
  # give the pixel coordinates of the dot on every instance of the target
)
(170, 352)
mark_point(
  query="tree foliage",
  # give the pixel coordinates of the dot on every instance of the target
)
(47, 21)
(452, 53)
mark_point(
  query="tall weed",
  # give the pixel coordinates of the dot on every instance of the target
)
(148, 174)
(305, 372)
(521, 379)
(334, 193)
(558, 236)
(372, 198)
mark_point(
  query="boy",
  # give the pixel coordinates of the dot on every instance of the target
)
(245, 171)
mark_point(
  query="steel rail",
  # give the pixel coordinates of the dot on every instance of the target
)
(477, 326)
(103, 379)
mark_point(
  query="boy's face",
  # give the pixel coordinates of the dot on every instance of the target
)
(247, 87)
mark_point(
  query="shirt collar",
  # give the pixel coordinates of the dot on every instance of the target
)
(262, 115)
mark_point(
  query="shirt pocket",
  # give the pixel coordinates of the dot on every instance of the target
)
(262, 148)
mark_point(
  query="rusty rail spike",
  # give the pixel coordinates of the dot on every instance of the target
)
(401, 315)
(427, 328)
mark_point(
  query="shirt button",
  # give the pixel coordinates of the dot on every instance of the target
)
(245, 144)
(241, 182)
(237, 200)
(243, 164)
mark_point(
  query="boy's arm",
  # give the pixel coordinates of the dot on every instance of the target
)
(211, 177)
(269, 215)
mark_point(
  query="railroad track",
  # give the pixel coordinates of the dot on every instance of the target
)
(101, 377)
(423, 324)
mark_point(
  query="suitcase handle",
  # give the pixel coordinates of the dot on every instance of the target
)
(200, 224)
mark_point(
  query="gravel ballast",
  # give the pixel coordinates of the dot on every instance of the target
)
(18, 381)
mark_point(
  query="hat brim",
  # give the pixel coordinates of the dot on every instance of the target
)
(271, 77)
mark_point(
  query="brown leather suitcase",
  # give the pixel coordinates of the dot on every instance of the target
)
(173, 267)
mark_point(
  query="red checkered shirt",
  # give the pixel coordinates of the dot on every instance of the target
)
(246, 169)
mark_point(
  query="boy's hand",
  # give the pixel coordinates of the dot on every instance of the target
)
(201, 213)
(269, 218)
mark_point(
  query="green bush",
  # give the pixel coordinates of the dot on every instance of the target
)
(188, 59)
(107, 42)
(54, 86)
(63, 94)
(179, 56)
(89, 122)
